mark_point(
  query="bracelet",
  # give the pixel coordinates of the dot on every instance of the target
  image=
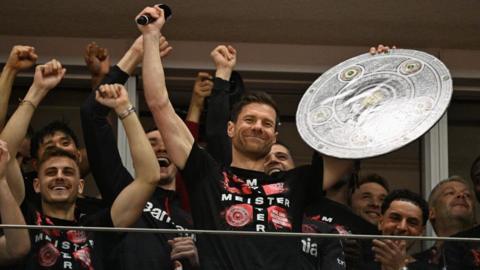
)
(127, 112)
(24, 101)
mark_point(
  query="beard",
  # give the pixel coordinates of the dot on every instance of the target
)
(166, 180)
(254, 150)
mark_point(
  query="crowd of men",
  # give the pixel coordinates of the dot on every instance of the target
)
(236, 176)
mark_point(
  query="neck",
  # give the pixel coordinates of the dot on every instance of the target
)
(242, 161)
(65, 211)
(451, 226)
(169, 186)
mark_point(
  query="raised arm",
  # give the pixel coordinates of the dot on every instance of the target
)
(20, 58)
(202, 88)
(334, 170)
(177, 138)
(46, 77)
(129, 204)
(105, 162)
(15, 243)
(219, 105)
(97, 60)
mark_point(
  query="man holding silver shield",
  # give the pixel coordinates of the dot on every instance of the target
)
(240, 196)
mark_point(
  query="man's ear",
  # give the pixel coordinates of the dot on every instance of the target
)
(275, 137)
(230, 129)
(81, 186)
(36, 185)
(431, 213)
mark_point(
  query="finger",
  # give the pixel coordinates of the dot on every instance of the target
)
(163, 43)
(203, 76)
(102, 54)
(33, 55)
(47, 69)
(57, 66)
(166, 52)
(180, 255)
(373, 50)
(232, 50)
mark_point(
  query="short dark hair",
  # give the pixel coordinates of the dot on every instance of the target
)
(374, 178)
(48, 130)
(282, 144)
(408, 196)
(254, 97)
(57, 152)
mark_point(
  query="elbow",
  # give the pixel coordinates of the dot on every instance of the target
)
(154, 177)
(20, 250)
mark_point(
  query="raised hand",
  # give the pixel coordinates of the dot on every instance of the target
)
(21, 58)
(46, 77)
(391, 254)
(381, 49)
(203, 85)
(97, 60)
(114, 96)
(4, 158)
(224, 56)
(184, 247)
(49, 75)
(156, 26)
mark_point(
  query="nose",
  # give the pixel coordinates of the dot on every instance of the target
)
(257, 125)
(402, 225)
(375, 203)
(60, 174)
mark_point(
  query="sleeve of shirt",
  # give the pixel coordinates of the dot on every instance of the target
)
(199, 163)
(103, 156)
(218, 115)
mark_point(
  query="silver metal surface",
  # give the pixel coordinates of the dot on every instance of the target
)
(371, 105)
(240, 233)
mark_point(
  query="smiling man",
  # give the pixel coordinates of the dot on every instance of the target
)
(404, 213)
(240, 196)
(368, 197)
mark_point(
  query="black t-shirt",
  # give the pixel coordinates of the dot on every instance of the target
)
(144, 251)
(70, 249)
(321, 253)
(244, 200)
(464, 255)
(345, 222)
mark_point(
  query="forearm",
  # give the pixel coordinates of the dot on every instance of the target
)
(6, 82)
(218, 115)
(105, 162)
(17, 241)
(177, 138)
(195, 110)
(16, 128)
(96, 80)
(144, 160)
(153, 75)
(130, 60)
(334, 170)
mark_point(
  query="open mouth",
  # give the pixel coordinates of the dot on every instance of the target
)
(164, 162)
(273, 170)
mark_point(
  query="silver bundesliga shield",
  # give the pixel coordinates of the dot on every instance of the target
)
(370, 105)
